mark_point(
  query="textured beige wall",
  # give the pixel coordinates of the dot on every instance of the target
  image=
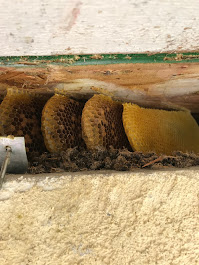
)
(145, 217)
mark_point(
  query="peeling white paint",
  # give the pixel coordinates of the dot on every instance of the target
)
(48, 27)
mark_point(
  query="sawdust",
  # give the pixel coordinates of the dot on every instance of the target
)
(180, 57)
(128, 57)
(74, 159)
(97, 57)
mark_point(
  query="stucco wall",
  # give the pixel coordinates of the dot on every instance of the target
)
(143, 217)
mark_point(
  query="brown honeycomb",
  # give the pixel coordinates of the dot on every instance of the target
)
(20, 114)
(61, 123)
(160, 131)
(102, 123)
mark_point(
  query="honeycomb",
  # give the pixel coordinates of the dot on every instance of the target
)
(20, 114)
(61, 123)
(160, 131)
(102, 123)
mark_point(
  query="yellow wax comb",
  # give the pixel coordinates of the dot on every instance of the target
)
(20, 113)
(61, 123)
(160, 131)
(102, 123)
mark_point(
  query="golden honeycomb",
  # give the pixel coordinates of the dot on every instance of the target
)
(61, 123)
(160, 131)
(102, 123)
(20, 113)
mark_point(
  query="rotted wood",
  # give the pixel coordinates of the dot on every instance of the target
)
(152, 85)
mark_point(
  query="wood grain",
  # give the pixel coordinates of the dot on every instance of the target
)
(152, 85)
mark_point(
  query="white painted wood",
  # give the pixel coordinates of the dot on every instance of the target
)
(49, 27)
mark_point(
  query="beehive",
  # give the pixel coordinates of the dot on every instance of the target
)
(160, 131)
(102, 123)
(61, 123)
(20, 113)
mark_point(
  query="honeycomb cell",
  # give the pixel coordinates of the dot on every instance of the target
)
(160, 131)
(61, 125)
(20, 113)
(102, 123)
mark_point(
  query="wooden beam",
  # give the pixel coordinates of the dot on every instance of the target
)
(42, 27)
(153, 85)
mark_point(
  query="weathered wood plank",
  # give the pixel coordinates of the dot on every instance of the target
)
(49, 27)
(155, 85)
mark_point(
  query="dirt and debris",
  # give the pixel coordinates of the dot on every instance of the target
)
(180, 57)
(75, 159)
(97, 57)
